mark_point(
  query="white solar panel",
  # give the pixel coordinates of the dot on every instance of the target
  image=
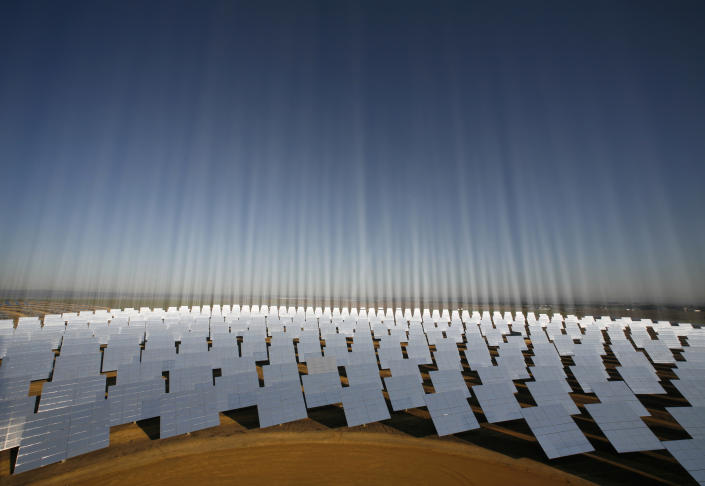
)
(13, 415)
(585, 375)
(322, 389)
(255, 347)
(623, 427)
(43, 442)
(70, 393)
(405, 367)
(448, 380)
(308, 349)
(640, 380)
(447, 360)
(690, 453)
(340, 353)
(186, 411)
(237, 390)
(478, 356)
(405, 391)
(237, 364)
(494, 374)
(364, 404)
(363, 373)
(419, 353)
(280, 403)
(56, 435)
(498, 402)
(35, 365)
(692, 419)
(282, 354)
(135, 401)
(279, 373)
(618, 391)
(321, 365)
(450, 412)
(552, 392)
(186, 379)
(15, 387)
(389, 354)
(551, 373)
(114, 355)
(136, 372)
(556, 431)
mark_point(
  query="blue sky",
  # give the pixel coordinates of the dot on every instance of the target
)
(508, 151)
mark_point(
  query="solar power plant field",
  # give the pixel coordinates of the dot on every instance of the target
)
(320, 395)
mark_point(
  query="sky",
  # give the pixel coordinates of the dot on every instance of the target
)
(533, 152)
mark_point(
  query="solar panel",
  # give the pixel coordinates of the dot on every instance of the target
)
(43, 441)
(478, 356)
(13, 415)
(618, 391)
(35, 365)
(340, 354)
(186, 379)
(364, 404)
(623, 427)
(363, 373)
(56, 435)
(494, 374)
(76, 366)
(70, 393)
(237, 390)
(450, 412)
(321, 365)
(640, 380)
(405, 391)
(551, 373)
(556, 431)
(255, 347)
(690, 454)
(79, 345)
(389, 354)
(279, 373)
(404, 367)
(447, 380)
(322, 389)
(659, 352)
(136, 372)
(280, 403)
(89, 429)
(515, 366)
(308, 349)
(498, 402)
(588, 360)
(193, 344)
(552, 392)
(15, 387)
(692, 419)
(114, 355)
(130, 402)
(186, 411)
(447, 360)
(585, 375)
(166, 357)
(419, 353)
(282, 354)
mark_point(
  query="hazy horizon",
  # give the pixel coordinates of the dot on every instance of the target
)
(510, 152)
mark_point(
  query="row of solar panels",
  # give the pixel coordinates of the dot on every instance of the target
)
(299, 313)
(190, 381)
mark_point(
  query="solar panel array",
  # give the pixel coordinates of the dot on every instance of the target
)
(186, 365)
